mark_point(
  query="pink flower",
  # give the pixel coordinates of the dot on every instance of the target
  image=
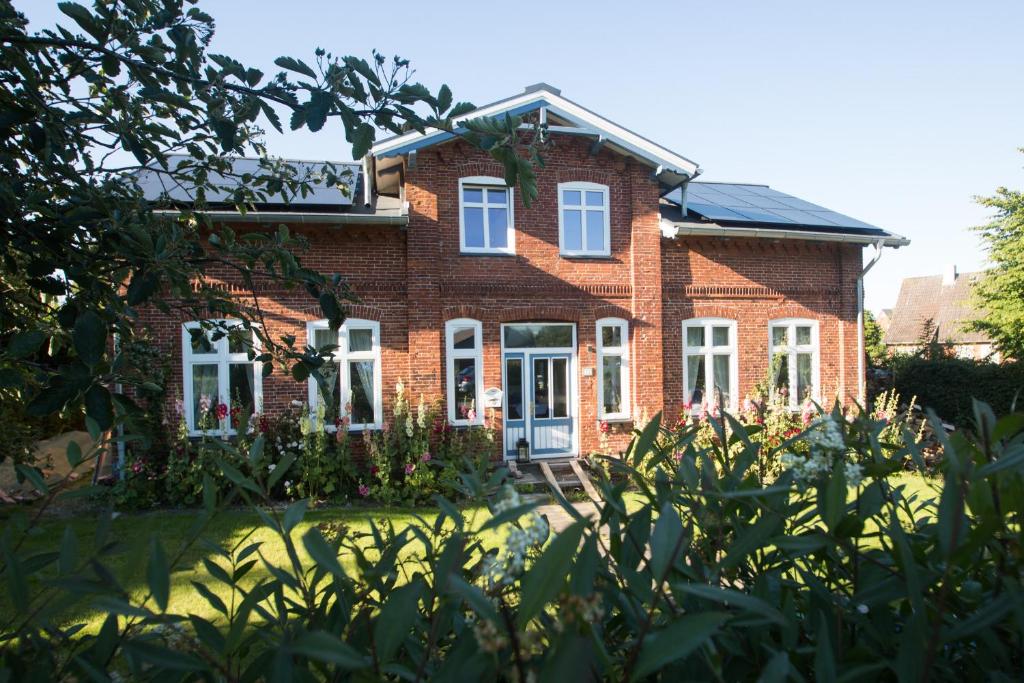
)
(807, 414)
(605, 427)
(409, 469)
(425, 457)
(678, 455)
(748, 405)
(364, 490)
(471, 415)
(374, 470)
(179, 407)
(204, 404)
(222, 411)
(703, 412)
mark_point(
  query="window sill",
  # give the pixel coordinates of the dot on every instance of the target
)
(621, 419)
(588, 257)
(502, 254)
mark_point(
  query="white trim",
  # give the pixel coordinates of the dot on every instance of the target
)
(223, 359)
(486, 183)
(583, 188)
(670, 230)
(563, 108)
(476, 353)
(708, 350)
(791, 349)
(343, 356)
(622, 352)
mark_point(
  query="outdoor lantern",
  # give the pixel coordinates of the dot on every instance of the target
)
(522, 450)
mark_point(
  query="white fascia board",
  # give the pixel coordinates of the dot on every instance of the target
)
(566, 109)
(672, 230)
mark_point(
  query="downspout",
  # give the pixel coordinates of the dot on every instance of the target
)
(861, 379)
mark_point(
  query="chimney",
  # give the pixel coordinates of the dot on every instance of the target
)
(949, 275)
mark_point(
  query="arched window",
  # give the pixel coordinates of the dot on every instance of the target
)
(464, 346)
(583, 219)
(221, 377)
(485, 216)
(710, 366)
(613, 369)
(351, 385)
(794, 355)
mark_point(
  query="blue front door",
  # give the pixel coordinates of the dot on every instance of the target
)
(550, 407)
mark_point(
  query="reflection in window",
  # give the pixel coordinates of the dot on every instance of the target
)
(222, 384)
(709, 364)
(464, 353)
(349, 388)
(794, 353)
(613, 366)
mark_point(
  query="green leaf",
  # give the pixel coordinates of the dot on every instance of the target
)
(325, 647)
(676, 641)
(25, 344)
(322, 553)
(833, 503)
(99, 406)
(68, 552)
(545, 578)
(294, 514)
(643, 444)
(776, 670)
(158, 574)
(824, 658)
(396, 619)
(162, 657)
(444, 99)
(74, 454)
(33, 475)
(362, 140)
(211, 597)
(90, 338)
(296, 65)
(731, 597)
(666, 541)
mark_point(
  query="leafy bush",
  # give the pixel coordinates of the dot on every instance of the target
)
(947, 385)
(830, 571)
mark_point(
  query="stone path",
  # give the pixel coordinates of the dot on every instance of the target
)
(559, 519)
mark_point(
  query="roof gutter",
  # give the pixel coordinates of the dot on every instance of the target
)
(297, 217)
(671, 229)
(861, 378)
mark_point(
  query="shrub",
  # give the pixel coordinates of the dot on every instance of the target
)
(831, 571)
(947, 385)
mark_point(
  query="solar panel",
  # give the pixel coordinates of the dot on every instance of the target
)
(747, 203)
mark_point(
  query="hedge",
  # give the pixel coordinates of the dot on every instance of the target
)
(947, 385)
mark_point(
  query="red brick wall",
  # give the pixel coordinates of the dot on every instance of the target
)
(413, 280)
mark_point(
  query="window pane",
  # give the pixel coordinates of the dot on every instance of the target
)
(720, 336)
(595, 231)
(595, 198)
(465, 387)
(497, 196)
(329, 393)
(694, 379)
(473, 222)
(782, 374)
(803, 334)
(323, 338)
(541, 368)
(497, 228)
(572, 225)
(360, 340)
(514, 388)
(611, 335)
(779, 336)
(205, 396)
(241, 380)
(473, 194)
(559, 387)
(804, 382)
(695, 336)
(464, 338)
(611, 378)
(721, 379)
(571, 197)
(534, 336)
(201, 341)
(361, 380)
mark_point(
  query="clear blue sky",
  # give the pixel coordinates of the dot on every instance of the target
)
(896, 113)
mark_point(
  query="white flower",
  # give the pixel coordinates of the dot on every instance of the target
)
(825, 434)
(271, 467)
(862, 608)
(854, 474)
(296, 404)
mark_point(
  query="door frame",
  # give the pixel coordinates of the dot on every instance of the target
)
(574, 385)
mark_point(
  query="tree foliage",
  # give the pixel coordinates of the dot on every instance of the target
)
(1000, 292)
(114, 91)
(874, 347)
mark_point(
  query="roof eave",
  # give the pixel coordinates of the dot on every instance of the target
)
(672, 229)
(300, 217)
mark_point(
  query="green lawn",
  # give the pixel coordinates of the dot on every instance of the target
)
(133, 533)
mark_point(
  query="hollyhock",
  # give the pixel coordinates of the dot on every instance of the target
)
(425, 457)
(364, 490)
(409, 469)
(204, 404)
(808, 413)
(179, 407)
(374, 470)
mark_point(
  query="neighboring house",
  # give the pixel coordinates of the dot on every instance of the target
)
(884, 318)
(625, 289)
(939, 306)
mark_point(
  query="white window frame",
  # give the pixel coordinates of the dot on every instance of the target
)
(709, 351)
(451, 354)
(223, 359)
(583, 188)
(791, 349)
(342, 356)
(622, 352)
(485, 183)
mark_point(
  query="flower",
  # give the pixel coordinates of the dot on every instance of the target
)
(425, 457)
(271, 467)
(364, 490)
(179, 407)
(409, 469)
(748, 405)
(808, 413)
(605, 427)
(862, 608)
(374, 470)
(471, 415)
(204, 404)
(854, 474)
(222, 411)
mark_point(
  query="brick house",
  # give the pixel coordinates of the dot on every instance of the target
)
(625, 289)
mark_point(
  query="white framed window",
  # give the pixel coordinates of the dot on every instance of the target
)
(794, 355)
(710, 364)
(220, 375)
(613, 369)
(352, 386)
(464, 350)
(583, 219)
(485, 216)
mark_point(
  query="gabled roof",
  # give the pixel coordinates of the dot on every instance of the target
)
(672, 168)
(948, 306)
(745, 208)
